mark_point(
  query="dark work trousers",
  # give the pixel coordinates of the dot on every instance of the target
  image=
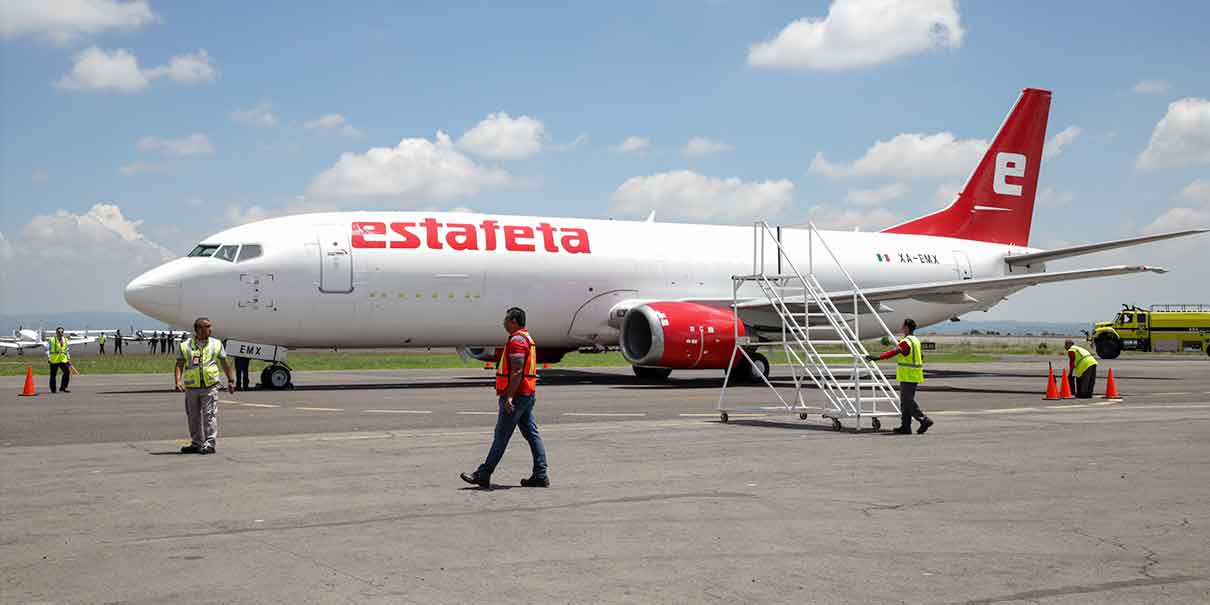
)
(908, 408)
(55, 368)
(117, 347)
(241, 372)
(1082, 386)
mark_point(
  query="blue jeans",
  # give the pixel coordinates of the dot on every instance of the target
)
(523, 417)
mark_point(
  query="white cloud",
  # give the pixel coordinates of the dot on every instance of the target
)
(39, 176)
(65, 20)
(1062, 139)
(581, 139)
(6, 249)
(699, 146)
(946, 193)
(1181, 138)
(1049, 197)
(848, 219)
(194, 144)
(69, 262)
(631, 145)
(874, 197)
(417, 170)
(99, 70)
(687, 194)
(503, 137)
(261, 115)
(134, 168)
(333, 122)
(1152, 87)
(190, 68)
(238, 214)
(909, 156)
(859, 33)
(1197, 191)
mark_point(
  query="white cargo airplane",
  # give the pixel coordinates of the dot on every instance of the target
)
(31, 339)
(420, 279)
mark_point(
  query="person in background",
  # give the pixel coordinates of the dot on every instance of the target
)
(58, 354)
(909, 371)
(117, 343)
(101, 343)
(1081, 371)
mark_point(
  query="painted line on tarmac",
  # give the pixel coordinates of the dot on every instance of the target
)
(320, 409)
(254, 405)
(1170, 394)
(1006, 410)
(398, 412)
(607, 414)
(476, 413)
(1067, 407)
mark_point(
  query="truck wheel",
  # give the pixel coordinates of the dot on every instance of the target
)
(1109, 349)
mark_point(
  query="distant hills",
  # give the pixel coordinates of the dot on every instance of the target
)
(1013, 328)
(79, 320)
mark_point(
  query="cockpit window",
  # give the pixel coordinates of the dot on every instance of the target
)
(227, 253)
(204, 250)
(248, 252)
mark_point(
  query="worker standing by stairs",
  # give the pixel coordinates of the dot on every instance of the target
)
(909, 371)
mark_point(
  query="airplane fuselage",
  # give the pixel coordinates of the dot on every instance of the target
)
(404, 279)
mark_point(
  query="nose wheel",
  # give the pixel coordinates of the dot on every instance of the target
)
(275, 377)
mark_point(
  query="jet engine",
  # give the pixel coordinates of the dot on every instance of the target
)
(679, 335)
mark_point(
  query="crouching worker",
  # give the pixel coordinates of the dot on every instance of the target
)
(1081, 370)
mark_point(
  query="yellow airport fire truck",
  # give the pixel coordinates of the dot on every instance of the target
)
(1164, 328)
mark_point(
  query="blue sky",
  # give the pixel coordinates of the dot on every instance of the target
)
(183, 146)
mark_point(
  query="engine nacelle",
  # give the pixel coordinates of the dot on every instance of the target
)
(679, 335)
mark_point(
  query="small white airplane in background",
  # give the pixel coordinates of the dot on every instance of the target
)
(30, 339)
(422, 279)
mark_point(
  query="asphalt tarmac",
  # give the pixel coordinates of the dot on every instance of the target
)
(346, 489)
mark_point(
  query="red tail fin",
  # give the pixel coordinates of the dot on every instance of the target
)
(997, 203)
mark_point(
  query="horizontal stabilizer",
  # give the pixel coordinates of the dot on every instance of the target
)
(1049, 255)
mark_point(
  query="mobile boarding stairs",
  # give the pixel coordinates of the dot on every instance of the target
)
(819, 337)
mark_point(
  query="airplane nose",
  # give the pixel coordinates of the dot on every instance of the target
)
(156, 296)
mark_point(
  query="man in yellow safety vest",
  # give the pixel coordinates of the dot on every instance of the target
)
(197, 373)
(1082, 370)
(909, 371)
(58, 354)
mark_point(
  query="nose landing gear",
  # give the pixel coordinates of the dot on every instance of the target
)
(276, 377)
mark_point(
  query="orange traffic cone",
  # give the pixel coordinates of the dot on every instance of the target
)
(1052, 392)
(1111, 387)
(1065, 388)
(546, 366)
(488, 365)
(29, 390)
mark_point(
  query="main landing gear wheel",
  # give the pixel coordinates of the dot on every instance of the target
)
(802, 416)
(275, 377)
(876, 423)
(647, 373)
(758, 368)
(836, 426)
(723, 417)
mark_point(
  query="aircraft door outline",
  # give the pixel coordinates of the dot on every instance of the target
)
(962, 265)
(336, 261)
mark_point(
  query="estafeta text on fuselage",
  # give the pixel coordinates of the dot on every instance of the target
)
(485, 235)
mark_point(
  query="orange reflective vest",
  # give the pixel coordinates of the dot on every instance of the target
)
(529, 375)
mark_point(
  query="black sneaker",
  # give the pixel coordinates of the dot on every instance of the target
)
(536, 482)
(902, 430)
(190, 449)
(207, 449)
(475, 479)
(924, 425)
(64, 391)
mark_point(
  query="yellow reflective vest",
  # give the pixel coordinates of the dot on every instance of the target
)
(201, 363)
(58, 351)
(1084, 360)
(910, 367)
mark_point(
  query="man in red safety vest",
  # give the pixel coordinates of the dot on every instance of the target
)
(516, 390)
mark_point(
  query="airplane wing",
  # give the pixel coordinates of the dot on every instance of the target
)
(80, 341)
(9, 344)
(1041, 257)
(959, 291)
